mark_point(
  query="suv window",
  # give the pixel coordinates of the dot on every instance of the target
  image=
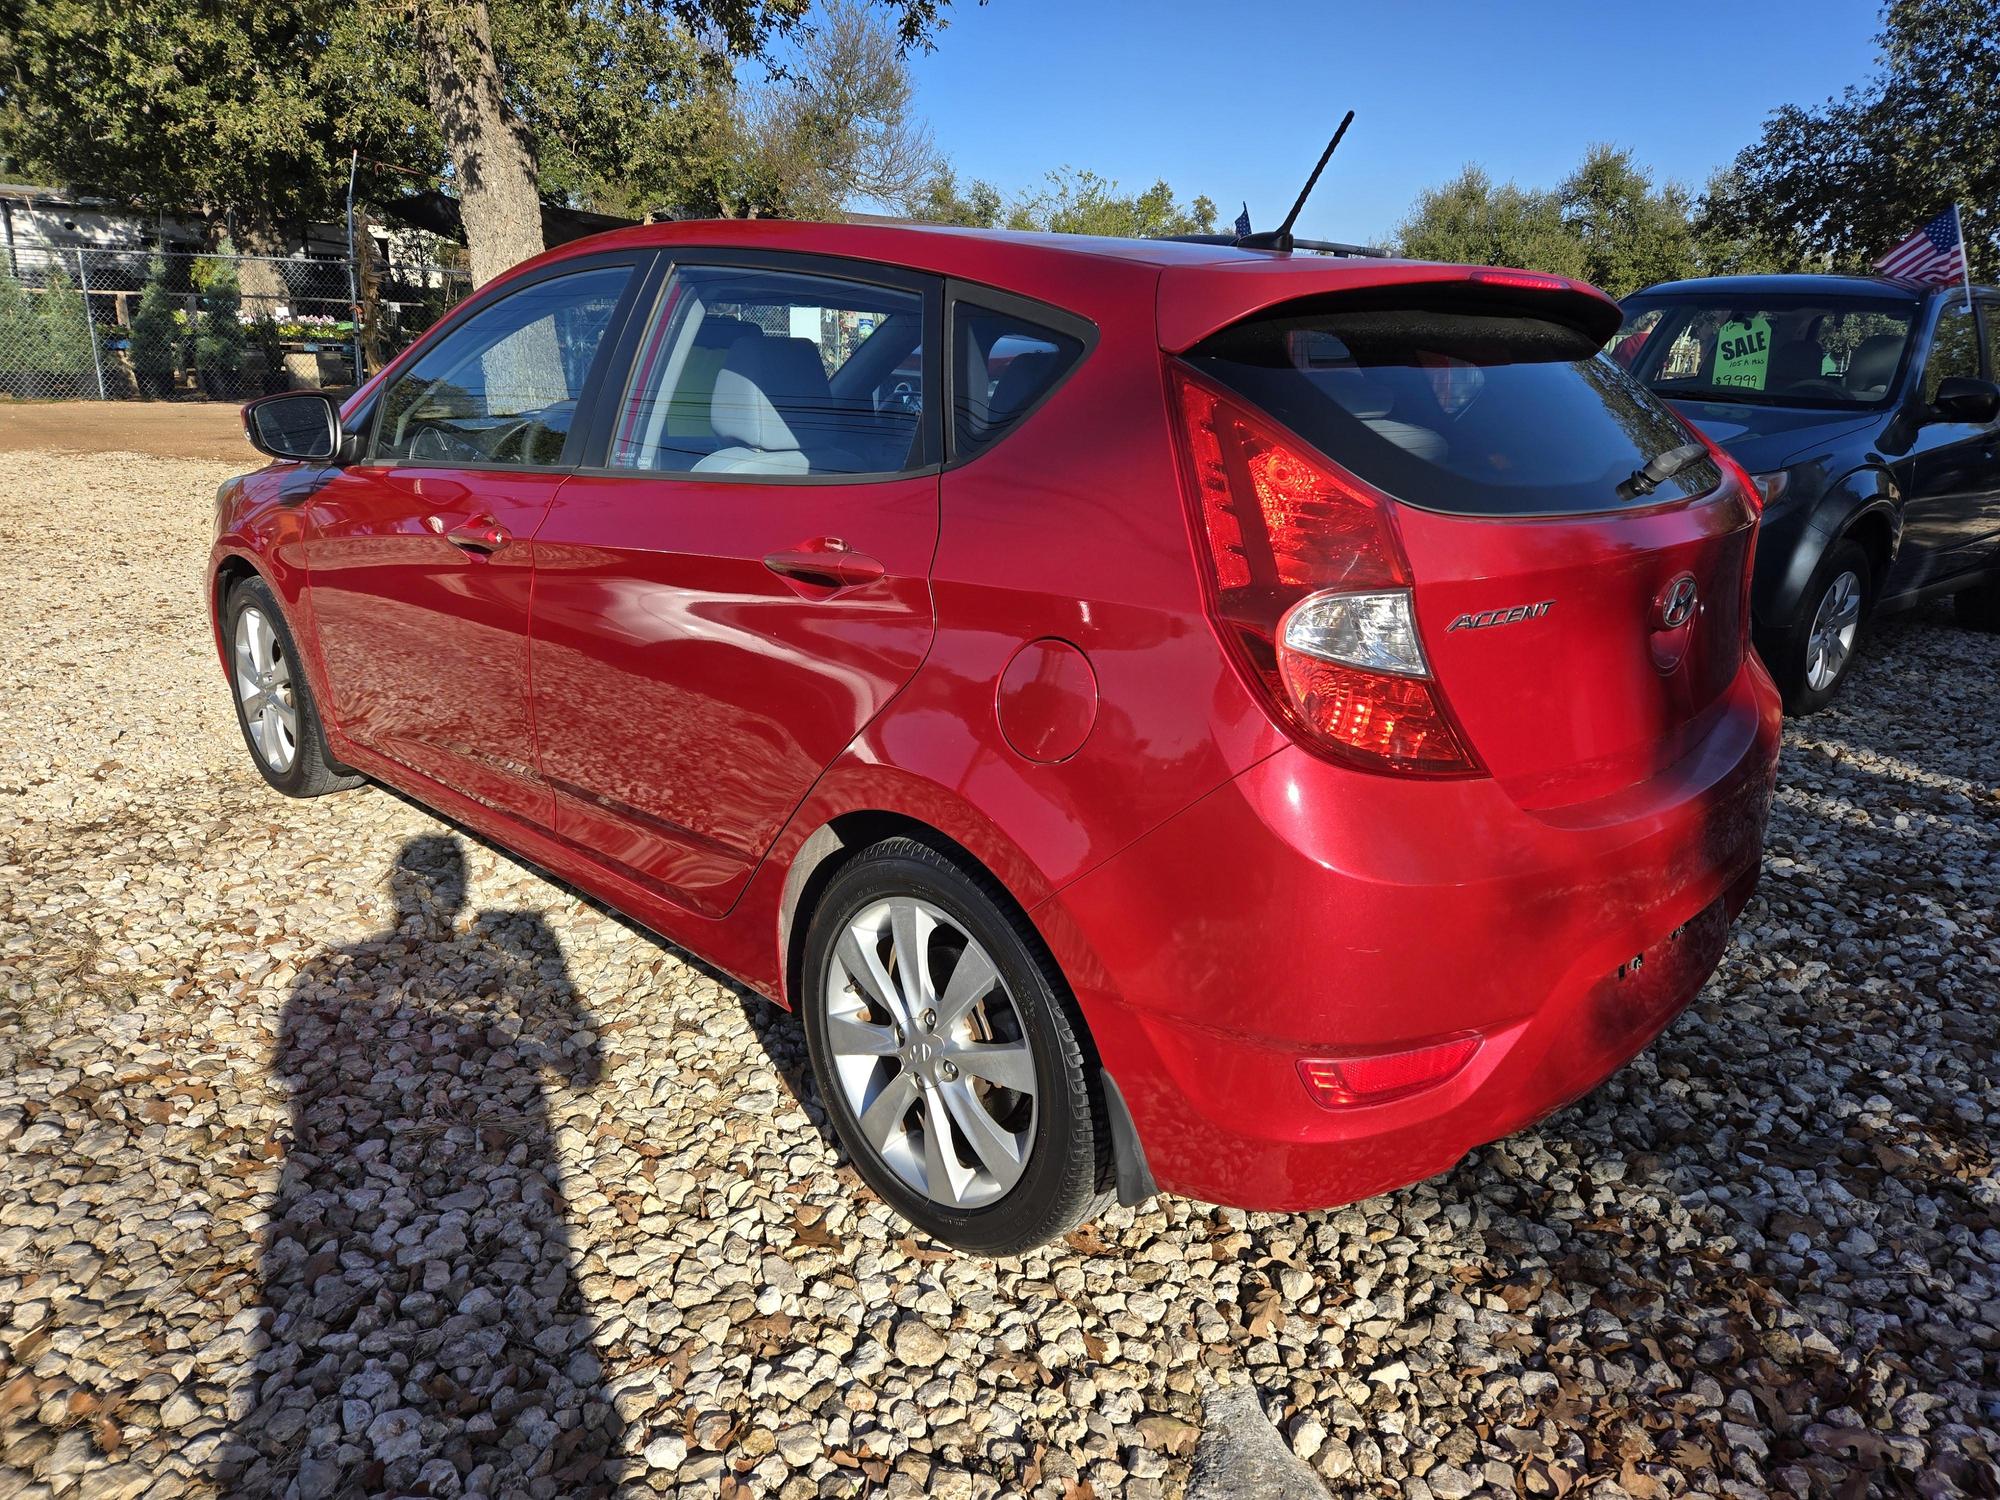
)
(1005, 364)
(1775, 350)
(761, 372)
(1471, 413)
(500, 390)
(1954, 350)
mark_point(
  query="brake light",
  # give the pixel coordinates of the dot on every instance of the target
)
(1754, 497)
(1533, 281)
(1335, 1083)
(1312, 591)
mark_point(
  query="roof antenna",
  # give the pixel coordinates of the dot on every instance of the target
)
(1280, 239)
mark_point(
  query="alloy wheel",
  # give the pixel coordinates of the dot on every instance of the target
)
(1834, 627)
(931, 1052)
(264, 687)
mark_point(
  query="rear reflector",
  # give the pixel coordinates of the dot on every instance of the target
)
(1337, 1083)
(1311, 590)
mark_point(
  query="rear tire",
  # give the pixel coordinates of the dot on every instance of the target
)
(958, 1081)
(1978, 608)
(1815, 655)
(274, 703)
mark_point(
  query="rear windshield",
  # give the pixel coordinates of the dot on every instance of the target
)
(1811, 351)
(1475, 413)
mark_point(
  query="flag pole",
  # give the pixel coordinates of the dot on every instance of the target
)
(1964, 255)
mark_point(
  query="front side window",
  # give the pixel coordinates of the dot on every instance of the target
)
(1954, 350)
(1778, 350)
(501, 389)
(1004, 366)
(753, 371)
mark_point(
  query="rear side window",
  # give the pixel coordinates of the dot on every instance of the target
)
(1469, 412)
(756, 372)
(1954, 350)
(1005, 364)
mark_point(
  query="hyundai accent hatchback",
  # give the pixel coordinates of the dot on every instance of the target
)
(1166, 716)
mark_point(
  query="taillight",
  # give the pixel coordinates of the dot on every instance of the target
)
(1312, 590)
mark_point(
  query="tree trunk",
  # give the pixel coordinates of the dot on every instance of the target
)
(490, 155)
(262, 282)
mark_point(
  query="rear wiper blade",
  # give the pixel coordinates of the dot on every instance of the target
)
(1659, 469)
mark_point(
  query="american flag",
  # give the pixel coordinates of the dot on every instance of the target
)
(1243, 222)
(1934, 254)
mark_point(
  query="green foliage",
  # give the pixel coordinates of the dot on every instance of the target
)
(1071, 202)
(1605, 223)
(1085, 203)
(45, 331)
(1834, 186)
(979, 207)
(219, 337)
(155, 333)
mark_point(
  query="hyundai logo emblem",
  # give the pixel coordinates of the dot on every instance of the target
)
(1677, 602)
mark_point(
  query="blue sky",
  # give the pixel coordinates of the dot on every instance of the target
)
(1235, 98)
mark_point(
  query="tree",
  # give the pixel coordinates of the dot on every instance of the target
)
(1835, 185)
(1469, 221)
(155, 334)
(467, 66)
(1605, 223)
(979, 207)
(1081, 202)
(241, 112)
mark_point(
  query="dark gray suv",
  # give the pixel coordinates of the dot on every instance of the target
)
(1867, 412)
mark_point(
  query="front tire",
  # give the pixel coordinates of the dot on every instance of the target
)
(274, 704)
(1816, 653)
(945, 1053)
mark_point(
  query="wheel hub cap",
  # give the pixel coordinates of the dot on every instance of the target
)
(264, 690)
(931, 1053)
(1835, 625)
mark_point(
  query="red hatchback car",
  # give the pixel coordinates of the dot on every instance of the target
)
(1248, 724)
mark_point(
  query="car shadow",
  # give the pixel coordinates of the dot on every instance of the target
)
(425, 1329)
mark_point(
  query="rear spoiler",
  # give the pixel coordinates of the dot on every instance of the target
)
(1198, 300)
(1268, 242)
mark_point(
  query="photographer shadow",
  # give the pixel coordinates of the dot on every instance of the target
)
(426, 1329)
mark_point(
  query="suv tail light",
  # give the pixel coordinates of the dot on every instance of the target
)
(1312, 590)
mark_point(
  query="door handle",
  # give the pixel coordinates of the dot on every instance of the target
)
(826, 561)
(481, 535)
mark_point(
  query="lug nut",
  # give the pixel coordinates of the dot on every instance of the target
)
(947, 1071)
(928, 1019)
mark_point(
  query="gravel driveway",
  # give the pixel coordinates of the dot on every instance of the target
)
(549, 1206)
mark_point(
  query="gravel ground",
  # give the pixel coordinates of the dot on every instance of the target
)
(340, 1153)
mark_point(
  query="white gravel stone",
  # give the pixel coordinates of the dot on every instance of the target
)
(305, 1192)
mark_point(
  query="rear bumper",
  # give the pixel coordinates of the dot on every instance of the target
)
(1303, 910)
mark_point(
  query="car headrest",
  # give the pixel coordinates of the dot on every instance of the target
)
(1361, 393)
(1874, 363)
(761, 380)
(1024, 379)
(1796, 361)
(719, 331)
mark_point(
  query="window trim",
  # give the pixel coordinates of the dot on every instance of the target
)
(638, 262)
(1008, 305)
(927, 286)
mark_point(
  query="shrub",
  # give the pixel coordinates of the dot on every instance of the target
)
(155, 334)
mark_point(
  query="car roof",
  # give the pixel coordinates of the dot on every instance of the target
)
(1798, 283)
(914, 245)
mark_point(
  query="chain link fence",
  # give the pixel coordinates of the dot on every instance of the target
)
(111, 325)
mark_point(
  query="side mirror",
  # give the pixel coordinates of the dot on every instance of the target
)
(1960, 398)
(301, 426)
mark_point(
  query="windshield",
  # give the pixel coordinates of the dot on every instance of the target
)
(1768, 351)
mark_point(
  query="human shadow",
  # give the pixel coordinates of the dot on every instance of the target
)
(427, 1332)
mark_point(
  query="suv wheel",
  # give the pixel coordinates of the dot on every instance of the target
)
(1816, 653)
(946, 1055)
(274, 706)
